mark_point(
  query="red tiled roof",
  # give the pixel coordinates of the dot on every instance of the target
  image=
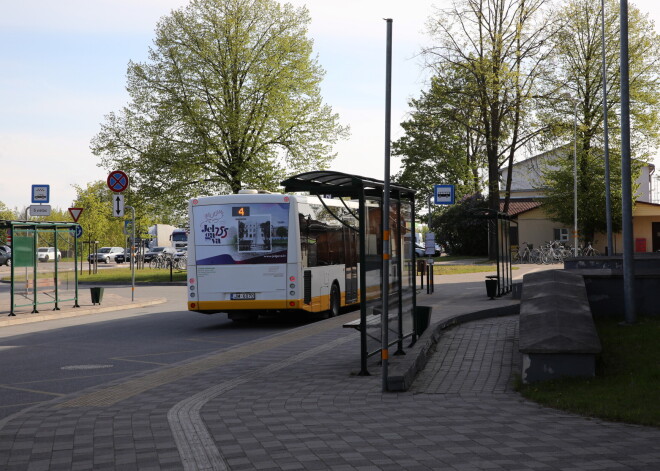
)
(519, 206)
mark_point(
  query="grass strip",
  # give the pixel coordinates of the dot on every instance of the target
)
(114, 275)
(123, 276)
(627, 381)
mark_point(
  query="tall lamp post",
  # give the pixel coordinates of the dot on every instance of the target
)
(575, 194)
(626, 182)
(608, 203)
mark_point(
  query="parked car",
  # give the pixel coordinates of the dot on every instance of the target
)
(105, 254)
(420, 250)
(123, 257)
(45, 254)
(5, 255)
(155, 251)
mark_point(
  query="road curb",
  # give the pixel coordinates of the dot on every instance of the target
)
(84, 311)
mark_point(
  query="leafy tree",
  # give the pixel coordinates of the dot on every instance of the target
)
(460, 231)
(500, 46)
(230, 97)
(440, 144)
(7, 213)
(578, 79)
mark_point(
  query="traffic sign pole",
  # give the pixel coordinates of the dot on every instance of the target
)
(132, 254)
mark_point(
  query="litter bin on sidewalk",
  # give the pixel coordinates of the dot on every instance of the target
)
(421, 319)
(97, 294)
(491, 286)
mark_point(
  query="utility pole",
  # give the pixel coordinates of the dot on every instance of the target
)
(626, 183)
(386, 210)
(575, 195)
(608, 203)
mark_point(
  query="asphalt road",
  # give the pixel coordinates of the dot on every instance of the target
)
(38, 365)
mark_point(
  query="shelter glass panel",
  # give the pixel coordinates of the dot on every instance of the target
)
(373, 270)
(406, 240)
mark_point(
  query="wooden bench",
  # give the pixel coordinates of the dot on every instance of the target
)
(557, 332)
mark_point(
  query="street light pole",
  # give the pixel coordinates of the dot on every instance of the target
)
(384, 319)
(626, 177)
(608, 203)
(575, 194)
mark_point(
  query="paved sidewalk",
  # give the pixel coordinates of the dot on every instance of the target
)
(115, 298)
(290, 402)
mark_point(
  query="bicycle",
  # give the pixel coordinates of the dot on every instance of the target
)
(523, 254)
(160, 261)
(589, 251)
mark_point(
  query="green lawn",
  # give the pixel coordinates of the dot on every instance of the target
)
(627, 384)
(123, 275)
(115, 275)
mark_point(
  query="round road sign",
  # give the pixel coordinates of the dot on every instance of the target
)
(117, 181)
(76, 231)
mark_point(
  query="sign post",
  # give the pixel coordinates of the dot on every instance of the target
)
(132, 254)
(118, 182)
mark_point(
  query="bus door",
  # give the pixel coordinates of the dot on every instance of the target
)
(351, 259)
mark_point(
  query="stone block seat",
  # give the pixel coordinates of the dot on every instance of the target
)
(557, 332)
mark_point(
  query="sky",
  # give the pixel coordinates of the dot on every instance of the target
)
(64, 68)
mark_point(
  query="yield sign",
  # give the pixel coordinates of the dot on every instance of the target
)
(117, 181)
(75, 213)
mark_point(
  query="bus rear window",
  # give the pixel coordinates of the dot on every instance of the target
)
(241, 234)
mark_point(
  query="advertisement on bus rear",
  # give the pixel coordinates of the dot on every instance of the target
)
(230, 234)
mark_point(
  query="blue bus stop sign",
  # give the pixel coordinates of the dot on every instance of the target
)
(443, 194)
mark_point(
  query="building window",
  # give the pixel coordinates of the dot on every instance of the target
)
(561, 235)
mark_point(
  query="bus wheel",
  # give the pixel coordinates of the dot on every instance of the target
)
(335, 301)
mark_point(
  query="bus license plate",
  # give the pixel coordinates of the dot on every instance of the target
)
(242, 296)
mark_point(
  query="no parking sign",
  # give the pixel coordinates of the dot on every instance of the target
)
(117, 181)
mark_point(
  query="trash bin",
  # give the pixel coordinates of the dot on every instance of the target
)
(97, 294)
(421, 319)
(516, 290)
(491, 286)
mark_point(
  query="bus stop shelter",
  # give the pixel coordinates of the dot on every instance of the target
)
(368, 193)
(46, 283)
(499, 226)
